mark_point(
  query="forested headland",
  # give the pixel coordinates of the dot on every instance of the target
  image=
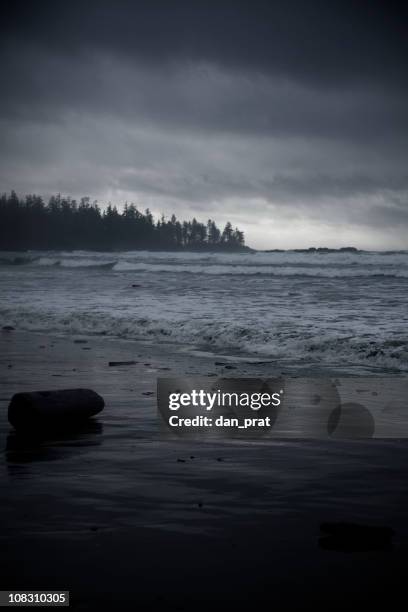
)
(65, 223)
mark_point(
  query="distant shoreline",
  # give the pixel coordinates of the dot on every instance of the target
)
(205, 249)
(317, 250)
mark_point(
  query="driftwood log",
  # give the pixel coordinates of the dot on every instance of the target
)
(53, 408)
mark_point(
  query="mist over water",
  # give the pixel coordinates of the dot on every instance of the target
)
(345, 310)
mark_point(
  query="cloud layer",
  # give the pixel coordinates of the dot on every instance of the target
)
(289, 118)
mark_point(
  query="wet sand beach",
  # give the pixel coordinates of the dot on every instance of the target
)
(118, 515)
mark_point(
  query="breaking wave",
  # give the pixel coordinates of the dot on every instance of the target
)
(288, 264)
(263, 270)
(306, 347)
(310, 308)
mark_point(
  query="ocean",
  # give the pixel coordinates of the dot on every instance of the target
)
(340, 311)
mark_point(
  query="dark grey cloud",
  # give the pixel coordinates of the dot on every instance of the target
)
(292, 111)
(315, 40)
(198, 96)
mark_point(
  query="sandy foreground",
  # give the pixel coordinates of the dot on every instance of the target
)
(118, 515)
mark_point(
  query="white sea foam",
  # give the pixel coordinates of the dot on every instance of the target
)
(331, 265)
(301, 346)
(334, 308)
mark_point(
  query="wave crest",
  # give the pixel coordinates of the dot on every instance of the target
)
(300, 347)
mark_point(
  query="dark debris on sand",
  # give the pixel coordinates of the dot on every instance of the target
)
(121, 363)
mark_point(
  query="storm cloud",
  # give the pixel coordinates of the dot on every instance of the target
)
(290, 118)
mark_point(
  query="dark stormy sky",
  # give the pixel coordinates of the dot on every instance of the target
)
(289, 118)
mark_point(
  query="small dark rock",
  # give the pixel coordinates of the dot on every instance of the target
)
(180, 460)
(219, 362)
(148, 393)
(80, 341)
(230, 367)
(8, 328)
(135, 286)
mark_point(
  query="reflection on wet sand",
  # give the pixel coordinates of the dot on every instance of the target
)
(51, 445)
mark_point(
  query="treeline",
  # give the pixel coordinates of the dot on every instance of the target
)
(65, 223)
